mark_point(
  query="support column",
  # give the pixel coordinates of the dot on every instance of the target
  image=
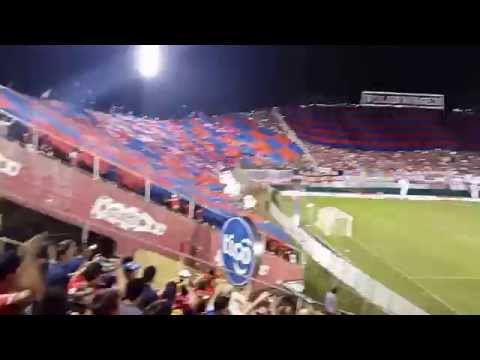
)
(35, 139)
(147, 190)
(96, 168)
(191, 209)
(85, 233)
(296, 211)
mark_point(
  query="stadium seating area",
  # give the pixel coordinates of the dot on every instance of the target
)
(384, 128)
(264, 119)
(177, 156)
(185, 157)
(401, 162)
(360, 140)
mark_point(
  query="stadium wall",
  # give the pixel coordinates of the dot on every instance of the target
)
(68, 194)
(385, 128)
(379, 189)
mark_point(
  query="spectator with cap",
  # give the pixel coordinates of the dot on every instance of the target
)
(148, 295)
(130, 268)
(130, 303)
(127, 271)
(184, 277)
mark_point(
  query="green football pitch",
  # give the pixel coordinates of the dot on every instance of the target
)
(425, 251)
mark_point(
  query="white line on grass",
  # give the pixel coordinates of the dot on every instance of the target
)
(381, 260)
(440, 300)
(375, 196)
(445, 278)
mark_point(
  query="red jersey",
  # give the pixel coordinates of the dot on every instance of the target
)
(182, 303)
(6, 299)
(76, 283)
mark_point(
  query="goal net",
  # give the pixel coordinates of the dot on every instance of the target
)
(333, 221)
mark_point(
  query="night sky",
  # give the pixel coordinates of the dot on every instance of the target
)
(218, 79)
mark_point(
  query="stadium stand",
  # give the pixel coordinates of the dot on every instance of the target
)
(176, 156)
(384, 128)
(389, 141)
(183, 156)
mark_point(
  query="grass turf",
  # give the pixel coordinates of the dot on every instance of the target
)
(425, 251)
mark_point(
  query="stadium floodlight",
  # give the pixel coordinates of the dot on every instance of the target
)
(148, 60)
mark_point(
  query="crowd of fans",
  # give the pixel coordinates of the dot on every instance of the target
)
(16, 131)
(62, 278)
(429, 165)
(432, 163)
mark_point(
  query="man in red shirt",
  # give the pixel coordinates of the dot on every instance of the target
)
(205, 285)
(83, 284)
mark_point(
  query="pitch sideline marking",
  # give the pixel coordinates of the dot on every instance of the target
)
(445, 277)
(291, 193)
(381, 260)
(405, 275)
(411, 279)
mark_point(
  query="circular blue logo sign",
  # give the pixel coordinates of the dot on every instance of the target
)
(239, 251)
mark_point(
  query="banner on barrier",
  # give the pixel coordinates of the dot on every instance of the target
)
(426, 101)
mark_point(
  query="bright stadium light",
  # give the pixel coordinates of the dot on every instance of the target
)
(149, 61)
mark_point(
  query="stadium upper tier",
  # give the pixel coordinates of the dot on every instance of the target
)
(384, 128)
(431, 163)
(182, 156)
